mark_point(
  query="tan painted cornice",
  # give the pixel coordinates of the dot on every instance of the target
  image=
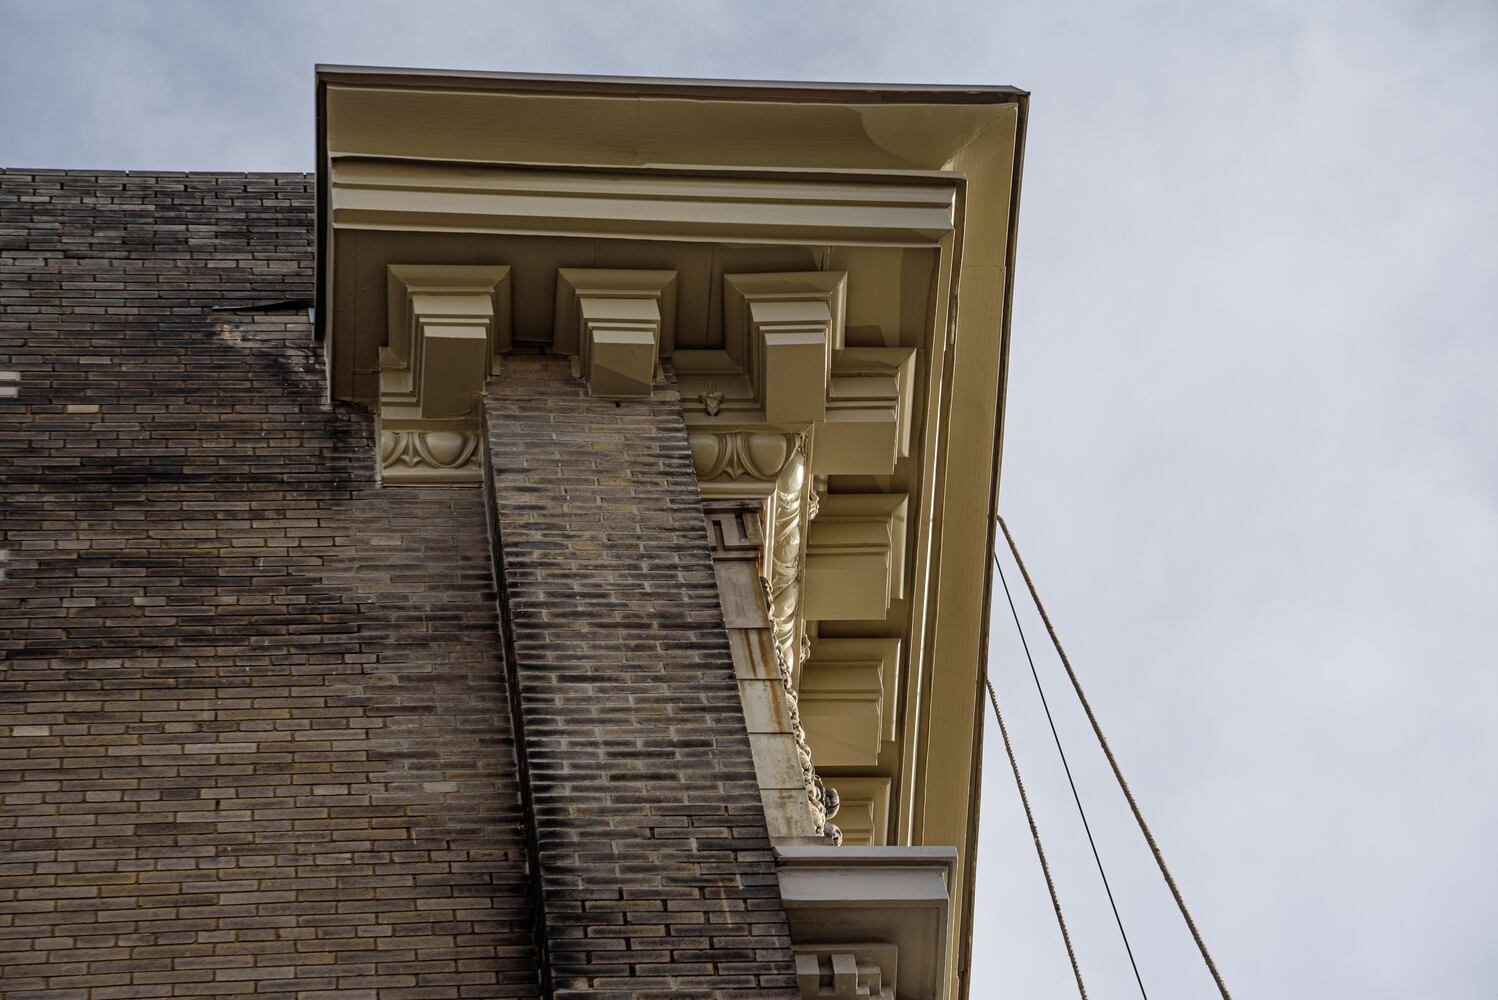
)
(395, 194)
(599, 120)
(885, 525)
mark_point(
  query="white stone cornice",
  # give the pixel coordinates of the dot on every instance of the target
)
(785, 374)
(911, 191)
(615, 324)
(884, 907)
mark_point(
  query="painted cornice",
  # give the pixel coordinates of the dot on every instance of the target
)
(875, 460)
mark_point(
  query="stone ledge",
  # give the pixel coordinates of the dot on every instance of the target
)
(885, 905)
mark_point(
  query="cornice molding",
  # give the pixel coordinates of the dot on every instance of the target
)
(783, 391)
(640, 202)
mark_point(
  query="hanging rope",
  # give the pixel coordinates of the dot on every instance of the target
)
(1149, 837)
(1045, 867)
(1076, 797)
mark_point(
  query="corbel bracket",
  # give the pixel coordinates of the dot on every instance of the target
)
(848, 700)
(780, 330)
(447, 326)
(855, 556)
(866, 428)
(779, 334)
(615, 324)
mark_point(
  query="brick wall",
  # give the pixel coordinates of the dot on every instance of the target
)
(657, 870)
(254, 735)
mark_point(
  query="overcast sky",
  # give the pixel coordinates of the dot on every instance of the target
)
(1251, 454)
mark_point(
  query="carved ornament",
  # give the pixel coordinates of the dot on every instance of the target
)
(783, 569)
(739, 463)
(780, 407)
(430, 457)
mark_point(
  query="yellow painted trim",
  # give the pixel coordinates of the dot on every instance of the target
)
(828, 166)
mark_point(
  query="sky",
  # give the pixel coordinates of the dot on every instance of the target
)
(1251, 455)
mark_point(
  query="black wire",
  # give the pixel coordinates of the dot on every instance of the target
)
(1067, 767)
(1045, 867)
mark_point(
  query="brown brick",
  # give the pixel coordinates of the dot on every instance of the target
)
(223, 689)
(621, 660)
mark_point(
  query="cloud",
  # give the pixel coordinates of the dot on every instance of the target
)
(1251, 447)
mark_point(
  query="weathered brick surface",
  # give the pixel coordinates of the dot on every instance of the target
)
(254, 736)
(657, 872)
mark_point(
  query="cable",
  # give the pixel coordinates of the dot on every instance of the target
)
(1067, 767)
(1045, 867)
(1149, 837)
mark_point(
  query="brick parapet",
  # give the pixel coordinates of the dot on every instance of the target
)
(656, 868)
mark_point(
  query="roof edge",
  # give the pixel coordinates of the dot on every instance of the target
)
(631, 86)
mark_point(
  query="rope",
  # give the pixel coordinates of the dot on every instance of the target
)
(1076, 797)
(1045, 867)
(1149, 837)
